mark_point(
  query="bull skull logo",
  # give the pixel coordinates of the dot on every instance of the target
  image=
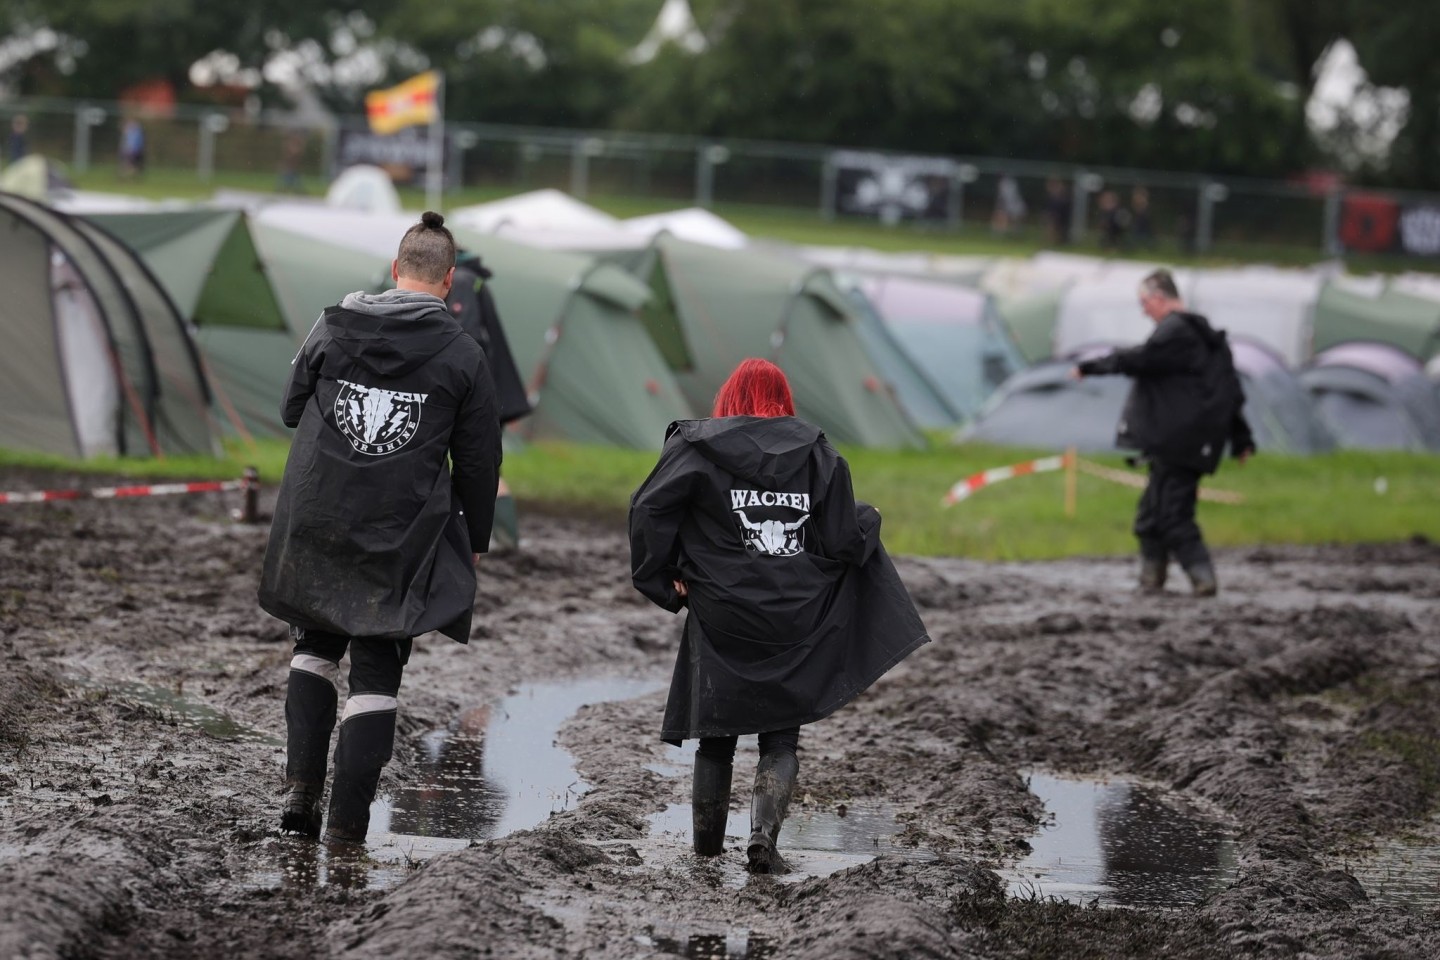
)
(772, 537)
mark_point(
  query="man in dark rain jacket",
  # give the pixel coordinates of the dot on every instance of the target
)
(1185, 407)
(795, 608)
(375, 534)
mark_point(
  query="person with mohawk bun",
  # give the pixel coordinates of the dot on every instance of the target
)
(387, 498)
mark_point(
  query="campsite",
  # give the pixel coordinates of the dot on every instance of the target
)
(829, 580)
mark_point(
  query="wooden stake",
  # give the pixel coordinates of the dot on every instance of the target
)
(1072, 474)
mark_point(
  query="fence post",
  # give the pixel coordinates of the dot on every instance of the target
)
(707, 158)
(1211, 193)
(86, 117)
(1330, 242)
(1086, 183)
(210, 125)
(827, 190)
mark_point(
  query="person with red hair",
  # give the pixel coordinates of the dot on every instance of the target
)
(794, 608)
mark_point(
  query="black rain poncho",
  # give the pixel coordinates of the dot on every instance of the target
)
(374, 533)
(794, 606)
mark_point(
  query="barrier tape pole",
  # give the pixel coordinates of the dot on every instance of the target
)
(115, 493)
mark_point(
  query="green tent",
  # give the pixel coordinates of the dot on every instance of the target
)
(252, 292)
(1031, 319)
(100, 361)
(726, 305)
(574, 325)
(1347, 311)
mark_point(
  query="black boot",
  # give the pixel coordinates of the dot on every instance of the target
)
(1202, 579)
(710, 804)
(310, 702)
(363, 748)
(301, 813)
(774, 784)
(1154, 565)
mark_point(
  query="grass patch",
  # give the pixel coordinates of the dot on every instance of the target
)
(1324, 499)
(1302, 500)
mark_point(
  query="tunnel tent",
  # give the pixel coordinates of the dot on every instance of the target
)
(99, 362)
(734, 304)
(1395, 312)
(954, 335)
(1374, 396)
(35, 177)
(573, 323)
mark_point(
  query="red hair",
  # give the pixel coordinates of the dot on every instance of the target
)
(757, 388)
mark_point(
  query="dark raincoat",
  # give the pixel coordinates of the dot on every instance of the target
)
(374, 533)
(795, 608)
(473, 305)
(1187, 400)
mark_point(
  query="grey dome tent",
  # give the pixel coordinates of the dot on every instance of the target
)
(1374, 396)
(1277, 406)
(99, 362)
(1046, 408)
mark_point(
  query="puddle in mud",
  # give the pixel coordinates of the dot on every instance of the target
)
(1402, 872)
(736, 945)
(813, 842)
(185, 713)
(498, 770)
(1121, 844)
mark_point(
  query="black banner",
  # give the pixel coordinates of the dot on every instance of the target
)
(893, 188)
(1378, 223)
(404, 155)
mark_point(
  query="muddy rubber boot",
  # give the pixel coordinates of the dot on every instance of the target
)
(301, 813)
(1202, 579)
(710, 804)
(505, 532)
(364, 747)
(1152, 574)
(774, 784)
(310, 702)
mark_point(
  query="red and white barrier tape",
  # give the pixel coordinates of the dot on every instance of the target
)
(1139, 481)
(112, 493)
(984, 479)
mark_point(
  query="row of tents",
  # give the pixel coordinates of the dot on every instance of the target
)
(155, 329)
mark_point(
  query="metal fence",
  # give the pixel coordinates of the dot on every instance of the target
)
(1182, 212)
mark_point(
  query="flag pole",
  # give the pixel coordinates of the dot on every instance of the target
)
(435, 171)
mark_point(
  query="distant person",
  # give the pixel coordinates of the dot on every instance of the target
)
(1114, 221)
(132, 149)
(386, 500)
(1057, 212)
(795, 608)
(1010, 206)
(1183, 410)
(292, 157)
(17, 144)
(1142, 228)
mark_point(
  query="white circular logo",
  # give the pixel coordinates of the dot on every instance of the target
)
(377, 421)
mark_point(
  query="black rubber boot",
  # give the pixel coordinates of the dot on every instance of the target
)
(774, 785)
(710, 804)
(310, 703)
(364, 747)
(301, 813)
(1154, 565)
(1202, 579)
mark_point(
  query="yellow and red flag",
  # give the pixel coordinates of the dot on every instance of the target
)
(405, 105)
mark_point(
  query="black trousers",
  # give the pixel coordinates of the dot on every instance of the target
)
(1165, 519)
(722, 749)
(367, 725)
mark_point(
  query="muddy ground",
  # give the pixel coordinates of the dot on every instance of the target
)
(1301, 707)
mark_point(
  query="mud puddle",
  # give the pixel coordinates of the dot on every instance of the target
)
(1121, 844)
(497, 770)
(734, 945)
(175, 707)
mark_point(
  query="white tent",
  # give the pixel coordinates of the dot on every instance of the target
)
(538, 210)
(366, 188)
(1104, 308)
(1272, 306)
(694, 224)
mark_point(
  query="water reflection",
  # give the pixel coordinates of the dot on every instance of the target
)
(1122, 844)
